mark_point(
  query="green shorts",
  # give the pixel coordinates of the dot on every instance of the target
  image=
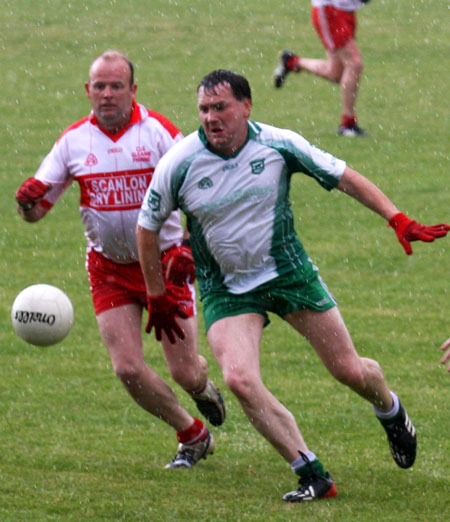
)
(282, 295)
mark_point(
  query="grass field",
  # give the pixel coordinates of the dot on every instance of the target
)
(73, 446)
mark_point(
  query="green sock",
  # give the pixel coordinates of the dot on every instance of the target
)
(315, 466)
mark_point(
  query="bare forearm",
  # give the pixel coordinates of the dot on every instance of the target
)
(150, 260)
(367, 193)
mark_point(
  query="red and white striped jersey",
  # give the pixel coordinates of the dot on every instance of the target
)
(113, 171)
(344, 5)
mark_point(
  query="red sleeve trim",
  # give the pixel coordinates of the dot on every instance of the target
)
(46, 204)
(74, 126)
(165, 122)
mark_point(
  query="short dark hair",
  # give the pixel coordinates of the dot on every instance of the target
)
(239, 84)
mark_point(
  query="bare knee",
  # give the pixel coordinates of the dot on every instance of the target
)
(350, 375)
(241, 385)
(358, 66)
(354, 68)
(128, 371)
(189, 372)
(335, 77)
(187, 378)
(358, 373)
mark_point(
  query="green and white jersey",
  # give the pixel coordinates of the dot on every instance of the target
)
(238, 209)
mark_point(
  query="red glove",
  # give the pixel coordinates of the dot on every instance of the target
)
(163, 311)
(408, 230)
(31, 192)
(179, 265)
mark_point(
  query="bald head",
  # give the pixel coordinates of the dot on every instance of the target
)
(111, 90)
(110, 56)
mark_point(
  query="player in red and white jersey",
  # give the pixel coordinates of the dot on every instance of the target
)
(335, 23)
(112, 154)
(113, 173)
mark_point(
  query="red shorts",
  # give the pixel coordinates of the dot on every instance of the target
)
(114, 284)
(334, 26)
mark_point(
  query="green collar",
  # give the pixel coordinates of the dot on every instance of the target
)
(253, 130)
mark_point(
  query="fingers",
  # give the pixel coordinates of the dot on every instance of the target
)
(31, 191)
(436, 230)
(178, 330)
(417, 232)
(423, 232)
(441, 226)
(406, 246)
(427, 238)
(171, 329)
(446, 345)
(169, 334)
(158, 332)
(446, 358)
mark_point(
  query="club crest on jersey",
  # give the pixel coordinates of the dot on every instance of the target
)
(257, 166)
(141, 154)
(154, 200)
(91, 160)
(205, 183)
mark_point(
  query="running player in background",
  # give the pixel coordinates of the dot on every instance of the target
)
(112, 154)
(231, 178)
(335, 23)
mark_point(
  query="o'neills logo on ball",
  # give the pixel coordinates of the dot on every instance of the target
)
(24, 317)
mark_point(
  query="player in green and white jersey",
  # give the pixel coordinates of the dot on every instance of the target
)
(238, 207)
(231, 178)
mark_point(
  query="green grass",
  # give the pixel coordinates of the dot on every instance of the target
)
(73, 446)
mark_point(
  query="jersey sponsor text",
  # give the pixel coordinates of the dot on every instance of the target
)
(115, 190)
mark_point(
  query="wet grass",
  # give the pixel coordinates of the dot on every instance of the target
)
(72, 444)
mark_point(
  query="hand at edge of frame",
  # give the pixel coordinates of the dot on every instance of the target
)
(408, 230)
(446, 357)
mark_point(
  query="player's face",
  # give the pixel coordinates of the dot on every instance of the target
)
(110, 93)
(224, 118)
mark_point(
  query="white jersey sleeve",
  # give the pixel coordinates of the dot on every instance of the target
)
(54, 171)
(344, 5)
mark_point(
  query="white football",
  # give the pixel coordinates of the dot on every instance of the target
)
(42, 315)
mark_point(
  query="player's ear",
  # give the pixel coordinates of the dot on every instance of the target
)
(247, 107)
(87, 88)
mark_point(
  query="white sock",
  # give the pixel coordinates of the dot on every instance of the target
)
(392, 412)
(300, 461)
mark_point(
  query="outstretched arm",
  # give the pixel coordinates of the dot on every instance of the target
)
(367, 193)
(406, 229)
